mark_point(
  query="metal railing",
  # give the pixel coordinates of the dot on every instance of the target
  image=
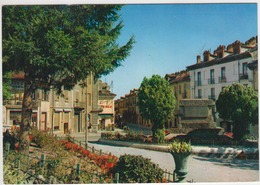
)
(42, 165)
(222, 79)
(211, 81)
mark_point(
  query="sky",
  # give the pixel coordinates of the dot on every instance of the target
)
(170, 36)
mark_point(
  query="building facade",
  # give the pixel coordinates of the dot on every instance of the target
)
(180, 86)
(57, 113)
(225, 67)
(127, 110)
(106, 103)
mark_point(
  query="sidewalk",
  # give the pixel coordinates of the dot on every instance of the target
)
(218, 151)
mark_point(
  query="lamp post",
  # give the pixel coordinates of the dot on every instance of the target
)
(86, 114)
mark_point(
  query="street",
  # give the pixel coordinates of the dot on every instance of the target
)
(200, 169)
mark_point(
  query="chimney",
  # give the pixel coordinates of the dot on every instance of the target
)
(206, 55)
(198, 59)
(237, 47)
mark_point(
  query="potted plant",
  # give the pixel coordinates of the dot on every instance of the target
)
(180, 151)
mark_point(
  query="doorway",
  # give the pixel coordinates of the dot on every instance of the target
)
(44, 121)
(77, 125)
(66, 128)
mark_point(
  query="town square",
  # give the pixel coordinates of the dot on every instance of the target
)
(129, 93)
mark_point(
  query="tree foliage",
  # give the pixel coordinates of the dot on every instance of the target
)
(61, 45)
(58, 46)
(6, 86)
(156, 103)
(239, 104)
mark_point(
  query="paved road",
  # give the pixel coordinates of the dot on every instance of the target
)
(201, 169)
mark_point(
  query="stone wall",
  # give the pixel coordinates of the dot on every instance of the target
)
(196, 113)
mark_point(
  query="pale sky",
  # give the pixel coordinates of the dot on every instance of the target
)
(170, 36)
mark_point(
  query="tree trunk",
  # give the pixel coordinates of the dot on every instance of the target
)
(26, 117)
(158, 133)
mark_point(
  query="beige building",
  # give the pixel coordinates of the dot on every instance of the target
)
(106, 103)
(180, 86)
(127, 111)
(57, 113)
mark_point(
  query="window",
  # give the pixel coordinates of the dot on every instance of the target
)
(45, 95)
(56, 120)
(223, 72)
(212, 93)
(184, 91)
(77, 96)
(179, 89)
(17, 84)
(89, 99)
(244, 68)
(199, 79)
(244, 74)
(222, 75)
(211, 81)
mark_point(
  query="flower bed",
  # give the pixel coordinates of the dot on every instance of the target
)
(105, 162)
(133, 136)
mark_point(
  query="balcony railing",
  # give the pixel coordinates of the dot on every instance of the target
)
(198, 83)
(222, 79)
(211, 81)
(212, 97)
(243, 76)
(12, 102)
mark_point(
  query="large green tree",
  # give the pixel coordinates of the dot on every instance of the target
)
(6, 86)
(239, 104)
(156, 103)
(58, 46)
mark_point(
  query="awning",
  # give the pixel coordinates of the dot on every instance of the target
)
(58, 110)
(105, 115)
(67, 110)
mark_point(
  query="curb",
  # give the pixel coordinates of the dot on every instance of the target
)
(222, 152)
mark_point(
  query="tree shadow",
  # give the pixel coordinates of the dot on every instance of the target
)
(248, 164)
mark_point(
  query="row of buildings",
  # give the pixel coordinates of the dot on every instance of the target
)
(197, 87)
(92, 104)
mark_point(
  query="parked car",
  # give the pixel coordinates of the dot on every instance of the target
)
(207, 136)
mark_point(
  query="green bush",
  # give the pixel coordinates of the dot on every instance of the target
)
(137, 169)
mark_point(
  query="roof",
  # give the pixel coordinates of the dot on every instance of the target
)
(180, 77)
(217, 61)
(19, 75)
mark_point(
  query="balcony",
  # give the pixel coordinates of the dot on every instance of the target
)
(212, 97)
(211, 81)
(12, 102)
(198, 83)
(222, 79)
(243, 76)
